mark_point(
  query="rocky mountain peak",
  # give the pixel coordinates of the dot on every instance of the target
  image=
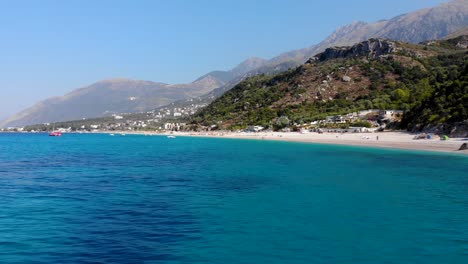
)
(249, 64)
(209, 81)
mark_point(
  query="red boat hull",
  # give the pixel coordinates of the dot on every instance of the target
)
(55, 134)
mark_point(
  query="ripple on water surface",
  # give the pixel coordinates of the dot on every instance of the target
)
(135, 199)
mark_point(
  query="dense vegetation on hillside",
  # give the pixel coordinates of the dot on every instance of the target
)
(428, 81)
(443, 94)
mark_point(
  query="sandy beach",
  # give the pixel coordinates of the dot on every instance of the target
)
(397, 140)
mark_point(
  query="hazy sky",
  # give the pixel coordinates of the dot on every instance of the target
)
(48, 48)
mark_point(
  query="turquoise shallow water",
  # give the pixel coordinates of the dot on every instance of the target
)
(137, 199)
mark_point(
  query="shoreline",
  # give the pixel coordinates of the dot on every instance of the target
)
(389, 140)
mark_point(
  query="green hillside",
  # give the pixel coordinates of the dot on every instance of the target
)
(429, 82)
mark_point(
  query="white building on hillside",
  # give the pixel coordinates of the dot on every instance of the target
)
(390, 114)
(255, 128)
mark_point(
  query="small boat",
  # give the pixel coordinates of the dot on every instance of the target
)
(170, 136)
(112, 135)
(55, 134)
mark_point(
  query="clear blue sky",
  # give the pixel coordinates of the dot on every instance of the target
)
(48, 48)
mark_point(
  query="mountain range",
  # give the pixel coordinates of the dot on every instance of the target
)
(123, 95)
(446, 20)
(116, 96)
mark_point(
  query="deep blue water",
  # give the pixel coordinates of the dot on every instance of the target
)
(137, 199)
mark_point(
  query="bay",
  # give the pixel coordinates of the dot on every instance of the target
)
(93, 198)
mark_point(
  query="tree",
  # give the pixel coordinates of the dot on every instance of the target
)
(401, 95)
(281, 122)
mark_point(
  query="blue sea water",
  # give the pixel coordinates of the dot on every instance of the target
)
(137, 199)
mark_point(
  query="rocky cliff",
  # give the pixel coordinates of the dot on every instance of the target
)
(371, 48)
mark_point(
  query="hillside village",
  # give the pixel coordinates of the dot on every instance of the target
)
(370, 120)
(362, 121)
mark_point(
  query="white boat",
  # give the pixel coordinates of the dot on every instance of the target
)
(112, 135)
(170, 136)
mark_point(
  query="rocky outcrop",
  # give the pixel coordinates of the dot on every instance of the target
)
(372, 48)
(464, 146)
(462, 42)
(459, 41)
(462, 45)
(456, 130)
(346, 78)
(458, 33)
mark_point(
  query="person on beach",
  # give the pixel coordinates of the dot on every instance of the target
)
(377, 138)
